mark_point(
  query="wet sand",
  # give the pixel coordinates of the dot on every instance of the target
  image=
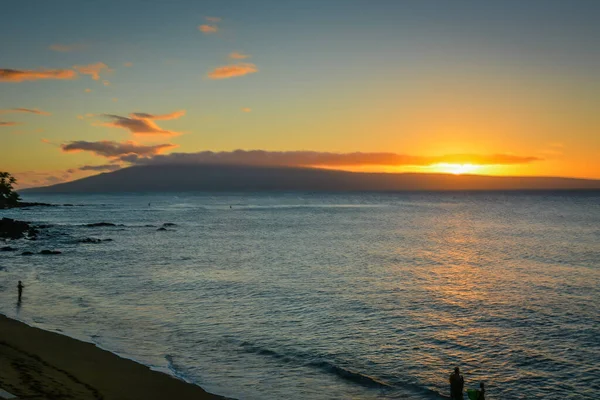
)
(36, 364)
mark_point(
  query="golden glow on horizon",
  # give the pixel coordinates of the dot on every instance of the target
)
(456, 169)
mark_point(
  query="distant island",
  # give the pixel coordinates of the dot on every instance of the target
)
(171, 178)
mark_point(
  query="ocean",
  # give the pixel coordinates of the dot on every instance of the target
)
(325, 296)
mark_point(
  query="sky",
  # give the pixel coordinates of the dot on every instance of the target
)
(495, 88)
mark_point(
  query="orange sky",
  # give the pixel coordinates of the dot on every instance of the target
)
(492, 89)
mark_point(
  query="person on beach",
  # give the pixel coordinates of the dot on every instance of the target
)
(20, 288)
(457, 384)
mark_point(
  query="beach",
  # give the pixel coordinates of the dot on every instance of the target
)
(38, 364)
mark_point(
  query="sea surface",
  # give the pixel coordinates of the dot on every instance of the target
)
(326, 296)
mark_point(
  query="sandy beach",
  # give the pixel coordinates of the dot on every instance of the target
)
(36, 364)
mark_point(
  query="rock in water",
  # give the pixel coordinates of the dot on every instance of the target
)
(98, 224)
(13, 229)
(50, 252)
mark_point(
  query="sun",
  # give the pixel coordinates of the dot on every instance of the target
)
(456, 169)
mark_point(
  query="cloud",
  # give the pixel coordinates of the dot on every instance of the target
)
(111, 149)
(94, 70)
(213, 19)
(88, 90)
(142, 123)
(324, 159)
(106, 83)
(208, 29)
(238, 56)
(246, 109)
(65, 48)
(128, 64)
(21, 75)
(25, 110)
(8, 123)
(105, 167)
(173, 115)
(232, 71)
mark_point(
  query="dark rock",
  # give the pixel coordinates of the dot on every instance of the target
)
(107, 240)
(23, 204)
(149, 226)
(27, 253)
(7, 248)
(67, 205)
(99, 224)
(89, 240)
(162, 229)
(13, 229)
(50, 252)
(169, 224)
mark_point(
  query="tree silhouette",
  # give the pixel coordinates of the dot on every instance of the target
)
(8, 196)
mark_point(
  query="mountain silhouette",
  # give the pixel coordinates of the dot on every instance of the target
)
(165, 178)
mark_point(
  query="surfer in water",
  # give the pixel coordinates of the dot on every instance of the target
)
(457, 384)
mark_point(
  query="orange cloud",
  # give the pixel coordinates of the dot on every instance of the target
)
(88, 90)
(208, 29)
(24, 110)
(142, 123)
(173, 115)
(238, 56)
(246, 109)
(21, 75)
(323, 159)
(128, 64)
(8, 123)
(65, 48)
(105, 167)
(111, 149)
(93, 70)
(232, 71)
(106, 83)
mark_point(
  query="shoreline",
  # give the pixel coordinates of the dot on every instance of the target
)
(35, 363)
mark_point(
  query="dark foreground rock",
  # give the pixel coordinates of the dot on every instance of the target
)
(162, 229)
(169, 224)
(50, 252)
(7, 248)
(14, 229)
(27, 253)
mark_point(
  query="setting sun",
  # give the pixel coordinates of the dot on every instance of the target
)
(456, 169)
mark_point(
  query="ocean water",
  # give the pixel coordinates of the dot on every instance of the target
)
(316, 296)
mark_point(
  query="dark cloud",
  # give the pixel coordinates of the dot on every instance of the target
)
(8, 123)
(112, 149)
(312, 158)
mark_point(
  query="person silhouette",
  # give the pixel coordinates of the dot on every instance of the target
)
(20, 289)
(457, 384)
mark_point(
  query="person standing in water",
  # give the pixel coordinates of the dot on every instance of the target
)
(457, 384)
(20, 288)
